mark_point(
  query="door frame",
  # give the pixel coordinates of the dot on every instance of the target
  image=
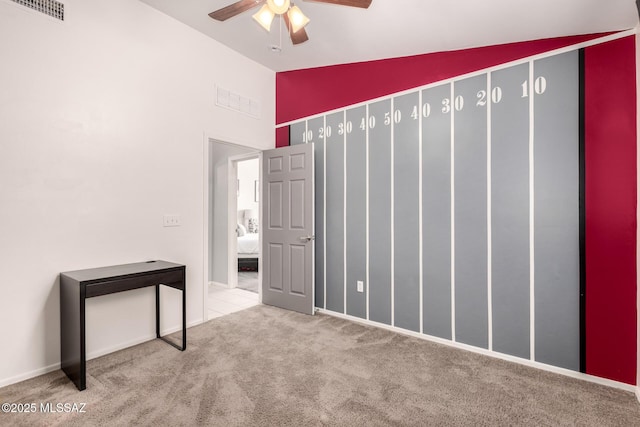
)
(208, 139)
(232, 218)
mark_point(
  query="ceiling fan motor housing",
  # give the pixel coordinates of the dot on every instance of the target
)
(278, 6)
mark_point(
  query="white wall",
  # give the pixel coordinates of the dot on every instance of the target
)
(102, 120)
(248, 172)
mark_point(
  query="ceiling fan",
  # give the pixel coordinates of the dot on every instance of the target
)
(292, 15)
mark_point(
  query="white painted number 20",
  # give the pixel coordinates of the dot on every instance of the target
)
(325, 132)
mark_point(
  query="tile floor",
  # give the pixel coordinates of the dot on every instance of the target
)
(248, 280)
(225, 301)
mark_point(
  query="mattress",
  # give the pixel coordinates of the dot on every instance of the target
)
(248, 244)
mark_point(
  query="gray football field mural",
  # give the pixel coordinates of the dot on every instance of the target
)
(456, 205)
(356, 209)
(406, 224)
(556, 226)
(379, 211)
(510, 257)
(436, 207)
(470, 211)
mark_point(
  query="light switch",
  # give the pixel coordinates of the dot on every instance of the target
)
(360, 284)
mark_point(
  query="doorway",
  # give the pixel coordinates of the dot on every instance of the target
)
(247, 253)
(285, 269)
(221, 292)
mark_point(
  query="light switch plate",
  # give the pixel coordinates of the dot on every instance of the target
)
(360, 284)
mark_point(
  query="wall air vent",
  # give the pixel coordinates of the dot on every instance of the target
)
(52, 8)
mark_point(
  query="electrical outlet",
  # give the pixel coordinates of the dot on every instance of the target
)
(172, 221)
(360, 285)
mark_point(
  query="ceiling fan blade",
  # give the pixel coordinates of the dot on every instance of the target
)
(299, 36)
(234, 9)
(364, 4)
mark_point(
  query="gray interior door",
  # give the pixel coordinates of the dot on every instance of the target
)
(288, 227)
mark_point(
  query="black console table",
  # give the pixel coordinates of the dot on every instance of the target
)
(77, 286)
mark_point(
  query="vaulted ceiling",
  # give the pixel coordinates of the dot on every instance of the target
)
(393, 28)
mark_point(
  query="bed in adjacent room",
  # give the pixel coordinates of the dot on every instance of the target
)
(248, 250)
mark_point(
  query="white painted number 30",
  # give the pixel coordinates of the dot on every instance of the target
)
(342, 127)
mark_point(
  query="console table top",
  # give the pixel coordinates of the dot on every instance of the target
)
(119, 270)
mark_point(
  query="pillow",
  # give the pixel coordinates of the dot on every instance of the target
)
(240, 230)
(253, 225)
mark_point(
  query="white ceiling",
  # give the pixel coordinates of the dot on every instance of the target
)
(393, 28)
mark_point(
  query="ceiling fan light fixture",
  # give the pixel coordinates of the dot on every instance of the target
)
(278, 6)
(297, 18)
(264, 17)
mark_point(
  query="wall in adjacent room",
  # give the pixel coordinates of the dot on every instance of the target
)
(102, 124)
(248, 172)
(479, 282)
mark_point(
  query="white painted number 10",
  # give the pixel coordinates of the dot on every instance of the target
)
(539, 86)
(307, 136)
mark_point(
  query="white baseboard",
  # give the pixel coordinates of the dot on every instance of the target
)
(121, 346)
(526, 362)
(223, 285)
(94, 354)
(28, 375)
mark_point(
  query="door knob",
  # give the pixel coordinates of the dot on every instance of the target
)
(307, 238)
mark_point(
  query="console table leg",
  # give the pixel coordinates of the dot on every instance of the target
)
(157, 311)
(72, 332)
(184, 319)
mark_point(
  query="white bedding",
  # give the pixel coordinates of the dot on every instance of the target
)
(249, 244)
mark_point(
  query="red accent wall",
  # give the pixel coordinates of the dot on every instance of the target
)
(610, 200)
(302, 93)
(610, 163)
(282, 136)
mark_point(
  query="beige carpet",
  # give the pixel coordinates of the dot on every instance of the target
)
(265, 366)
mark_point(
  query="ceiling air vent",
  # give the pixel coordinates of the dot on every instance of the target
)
(52, 8)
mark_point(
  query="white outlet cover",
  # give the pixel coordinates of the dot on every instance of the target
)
(171, 220)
